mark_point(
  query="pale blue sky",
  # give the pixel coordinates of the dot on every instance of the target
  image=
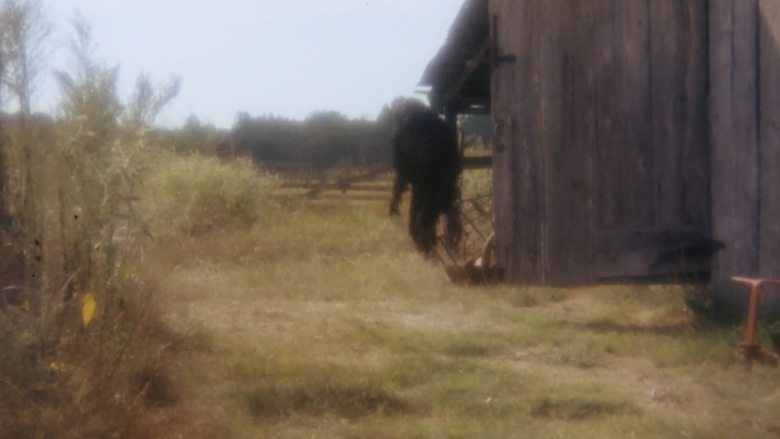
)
(286, 57)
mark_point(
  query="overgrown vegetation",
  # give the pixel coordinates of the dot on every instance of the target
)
(153, 286)
(83, 353)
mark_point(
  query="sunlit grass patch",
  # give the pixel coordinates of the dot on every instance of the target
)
(478, 391)
(649, 305)
(673, 344)
(458, 387)
(401, 340)
(528, 297)
(316, 277)
(697, 348)
(300, 254)
(591, 343)
(455, 342)
(409, 371)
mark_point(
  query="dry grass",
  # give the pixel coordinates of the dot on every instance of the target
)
(319, 320)
(59, 378)
(63, 376)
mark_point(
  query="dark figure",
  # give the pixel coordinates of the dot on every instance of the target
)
(425, 155)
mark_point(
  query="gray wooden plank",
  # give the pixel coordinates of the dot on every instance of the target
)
(734, 143)
(769, 154)
(679, 112)
(569, 123)
(503, 152)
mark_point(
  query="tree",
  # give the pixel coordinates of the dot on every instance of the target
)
(25, 32)
(101, 152)
(89, 92)
(324, 139)
(4, 220)
(149, 100)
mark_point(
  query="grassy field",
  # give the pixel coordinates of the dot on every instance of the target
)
(318, 320)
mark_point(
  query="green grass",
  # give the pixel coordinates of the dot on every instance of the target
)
(332, 391)
(320, 320)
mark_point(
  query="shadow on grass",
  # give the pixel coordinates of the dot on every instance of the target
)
(578, 408)
(532, 297)
(346, 399)
(610, 326)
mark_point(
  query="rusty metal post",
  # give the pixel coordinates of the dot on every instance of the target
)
(749, 348)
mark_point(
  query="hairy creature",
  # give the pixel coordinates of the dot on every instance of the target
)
(426, 156)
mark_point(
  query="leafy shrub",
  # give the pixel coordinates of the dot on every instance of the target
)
(196, 194)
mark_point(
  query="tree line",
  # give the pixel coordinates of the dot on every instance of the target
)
(324, 139)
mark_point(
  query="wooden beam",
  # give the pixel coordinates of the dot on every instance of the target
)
(478, 162)
(482, 111)
(469, 106)
(470, 67)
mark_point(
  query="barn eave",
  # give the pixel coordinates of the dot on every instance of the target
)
(459, 74)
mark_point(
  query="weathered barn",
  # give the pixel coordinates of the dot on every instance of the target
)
(633, 138)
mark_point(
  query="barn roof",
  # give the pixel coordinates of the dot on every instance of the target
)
(459, 75)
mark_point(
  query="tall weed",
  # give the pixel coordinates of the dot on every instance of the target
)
(82, 350)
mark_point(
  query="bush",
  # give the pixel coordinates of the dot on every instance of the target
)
(196, 194)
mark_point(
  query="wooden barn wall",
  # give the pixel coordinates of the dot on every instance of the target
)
(745, 112)
(769, 135)
(601, 134)
(516, 172)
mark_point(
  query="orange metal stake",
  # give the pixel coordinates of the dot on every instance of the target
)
(749, 348)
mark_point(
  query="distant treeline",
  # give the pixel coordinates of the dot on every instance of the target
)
(324, 139)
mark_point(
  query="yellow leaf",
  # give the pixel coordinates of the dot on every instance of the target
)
(88, 308)
(55, 366)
